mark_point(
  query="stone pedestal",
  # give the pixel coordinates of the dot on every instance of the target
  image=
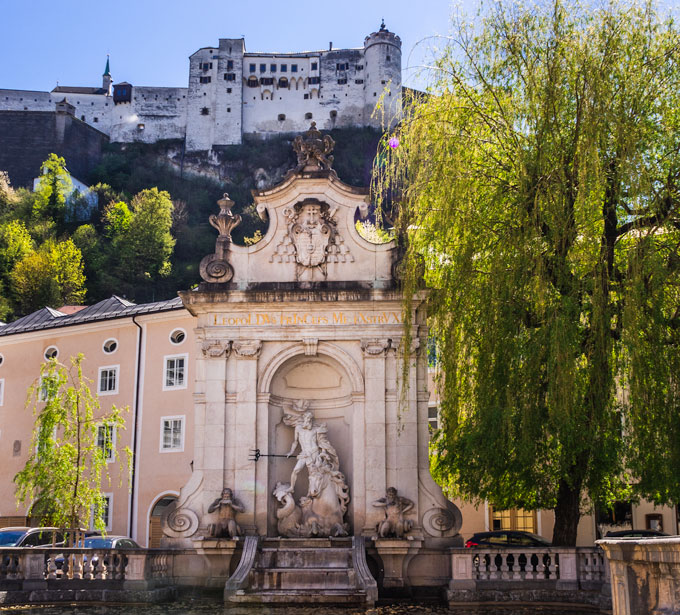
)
(396, 553)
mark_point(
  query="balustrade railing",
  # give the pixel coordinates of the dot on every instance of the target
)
(549, 565)
(55, 565)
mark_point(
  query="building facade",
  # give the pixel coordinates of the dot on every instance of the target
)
(232, 92)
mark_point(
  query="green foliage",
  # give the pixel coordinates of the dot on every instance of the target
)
(15, 244)
(67, 468)
(116, 219)
(540, 184)
(371, 232)
(52, 275)
(54, 187)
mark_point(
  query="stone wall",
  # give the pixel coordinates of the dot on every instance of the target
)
(28, 138)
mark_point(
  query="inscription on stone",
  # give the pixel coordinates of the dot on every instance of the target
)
(337, 318)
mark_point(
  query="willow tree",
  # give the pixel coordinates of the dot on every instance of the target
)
(540, 184)
(73, 441)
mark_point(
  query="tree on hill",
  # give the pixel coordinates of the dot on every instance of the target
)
(52, 275)
(53, 189)
(541, 187)
(72, 443)
(141, 239)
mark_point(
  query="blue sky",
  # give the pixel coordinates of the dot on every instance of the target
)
(48, 41)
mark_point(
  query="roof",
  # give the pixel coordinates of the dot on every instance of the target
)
(108, 309)
(69, 89)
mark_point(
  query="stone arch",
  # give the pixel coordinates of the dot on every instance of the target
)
(325, 383)
(354, 373)
(314, 93)
(154, 515)
(267, 95)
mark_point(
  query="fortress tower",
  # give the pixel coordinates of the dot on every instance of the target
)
(382, 54)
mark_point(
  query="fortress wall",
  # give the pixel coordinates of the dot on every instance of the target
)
(29, 137)
(26, 100)
(153, 115)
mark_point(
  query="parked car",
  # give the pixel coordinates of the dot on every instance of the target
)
(101, 542)
(636, 534)
(506, 538)
(31, 537)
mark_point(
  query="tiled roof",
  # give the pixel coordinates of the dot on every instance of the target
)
(108, 309)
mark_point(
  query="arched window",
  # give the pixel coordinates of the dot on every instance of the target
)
(283, 82)
(253, 81)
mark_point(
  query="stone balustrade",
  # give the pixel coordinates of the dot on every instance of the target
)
(56, 574)
(516, 573)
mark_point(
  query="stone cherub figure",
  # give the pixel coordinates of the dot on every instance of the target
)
(227, 506)
(394, 525)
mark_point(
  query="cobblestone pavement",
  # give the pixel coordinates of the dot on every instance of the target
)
(203, 607)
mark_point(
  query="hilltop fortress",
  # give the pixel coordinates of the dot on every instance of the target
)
(232, 93)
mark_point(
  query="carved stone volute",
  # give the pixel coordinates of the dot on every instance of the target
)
(215, 267)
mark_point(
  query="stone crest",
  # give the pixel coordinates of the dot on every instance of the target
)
(311, 231)
(313, 150)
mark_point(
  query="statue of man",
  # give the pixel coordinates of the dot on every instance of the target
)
(315, 449)
(394, 524)
(228, 506)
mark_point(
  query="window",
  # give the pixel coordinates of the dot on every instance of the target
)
(306, 96)
(654, 522)
(308, 116)
(314, 80)
(205, 111)
(284, 68)
(432, 417)
(266, 81)
(229, 76)
(46, 383)
(283, 82)
(172, 434)
(178, 336)
(342, 66)
(293, 68)
(282, 117)
(2, 359)
(107, 511)
(272, 68)
(252, 68)
(342, 81)
(228, 90)
(205, 79)
(263, 68)
(205, 65)
(314, 66)
(513, 519)
(230, 64)
(358, 81)
(106, 440)
(359, 67)
(253, 82)
(96, 120)
(228, 109)
(388, 58)
(110, 346)
(333, 114)
(174, 376)
(108, 380)
(51, 353)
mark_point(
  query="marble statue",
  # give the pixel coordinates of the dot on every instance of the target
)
(321, 511)
(227, 506)
(394, 525)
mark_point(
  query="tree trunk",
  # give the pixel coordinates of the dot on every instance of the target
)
(567, 514)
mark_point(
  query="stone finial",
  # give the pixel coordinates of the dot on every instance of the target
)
(225, 222)
(215, 267)
(313, 150)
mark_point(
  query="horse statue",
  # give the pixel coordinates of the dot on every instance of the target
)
(321, 511)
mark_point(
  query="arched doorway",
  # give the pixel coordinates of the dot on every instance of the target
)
(155, 529)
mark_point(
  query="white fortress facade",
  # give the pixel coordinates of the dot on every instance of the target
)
(232, 93)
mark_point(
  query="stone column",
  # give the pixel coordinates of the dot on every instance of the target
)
(246, 353)
(210, 419)
(375, 444)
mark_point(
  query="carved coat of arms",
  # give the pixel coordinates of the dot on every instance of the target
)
(311, 230)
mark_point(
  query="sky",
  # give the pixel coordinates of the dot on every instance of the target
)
(45, 42)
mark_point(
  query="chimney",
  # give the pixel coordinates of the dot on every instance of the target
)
(330, 46)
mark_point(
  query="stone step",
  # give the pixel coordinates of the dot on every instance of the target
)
(319, 579)
(329, 557)
(288, 597)
(305, 543)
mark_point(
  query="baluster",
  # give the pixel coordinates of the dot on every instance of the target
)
(504, 567)
(13, 567)
(87, 567)
(540, 567)
(549, 560)
(77, 568)
(97, 566)
(517, 574)
(52, 567)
